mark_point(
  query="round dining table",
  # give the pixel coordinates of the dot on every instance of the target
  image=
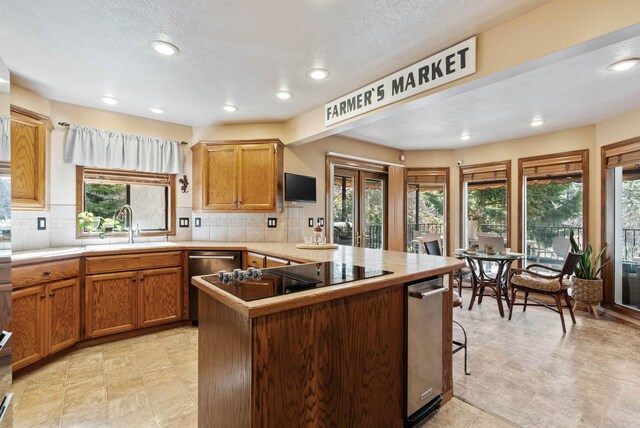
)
(481, 279)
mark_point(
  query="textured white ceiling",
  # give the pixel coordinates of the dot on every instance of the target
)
(567, 93)
(232, 51)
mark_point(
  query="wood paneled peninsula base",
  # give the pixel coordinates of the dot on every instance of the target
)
(332, 356)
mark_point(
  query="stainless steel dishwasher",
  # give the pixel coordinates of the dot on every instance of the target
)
(206, 263)
(424, 347)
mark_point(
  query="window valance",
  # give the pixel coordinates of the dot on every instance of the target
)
(427, 177)
(485, 173)
(100, 148)
(5, 140)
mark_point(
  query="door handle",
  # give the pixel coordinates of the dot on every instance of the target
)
(6, 401)
(6, 335)
(426, 294)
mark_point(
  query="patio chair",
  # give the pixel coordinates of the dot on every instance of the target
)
(417, 245)
(497, 242)
(433, 249)
(555, 284)
(559, 248)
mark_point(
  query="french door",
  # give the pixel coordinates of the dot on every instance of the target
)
(359, 205)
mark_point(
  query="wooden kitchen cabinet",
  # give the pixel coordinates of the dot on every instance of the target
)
(275, 262)
(239, 176)
(28, 326)
(110, 303)
(255, 260)
(29, 136)
(159, 296)
(62, 314)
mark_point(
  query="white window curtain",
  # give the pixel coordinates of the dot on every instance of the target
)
(100, 148)
(5, 139)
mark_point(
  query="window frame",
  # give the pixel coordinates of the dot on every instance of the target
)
(552, 158)
(134, 178)
(440, 172)
(489, 166)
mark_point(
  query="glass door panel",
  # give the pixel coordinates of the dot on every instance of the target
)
(425, 211)
(373, 212)
(627, 237)
(344, 206)
(486, 210)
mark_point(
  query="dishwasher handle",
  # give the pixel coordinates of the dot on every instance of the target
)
(214, 257)
(417, 295)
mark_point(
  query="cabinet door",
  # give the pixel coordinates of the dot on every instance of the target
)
(274, 262)
(256, 177)
(28, 151)
(255, 260)
(63, 314)
(110, 303)
(219, 177)
(159, 296)
(28, 326)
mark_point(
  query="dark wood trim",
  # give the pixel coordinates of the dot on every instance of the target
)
(607, 230)
(585, 190)
(172, 202)
(447, 202)
(507, 164)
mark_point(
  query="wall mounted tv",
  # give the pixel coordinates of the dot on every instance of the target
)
(299, 188)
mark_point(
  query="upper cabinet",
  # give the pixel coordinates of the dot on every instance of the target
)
(243, 176)
(29, 137)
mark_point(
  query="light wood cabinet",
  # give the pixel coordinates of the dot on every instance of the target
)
(255, 260)
(240, 176)
(110, 303)
(159, 296)
(29, 136)
(46, 319)
(275, 262)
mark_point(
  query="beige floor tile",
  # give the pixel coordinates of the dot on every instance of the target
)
(43, 415)
(485, 420)
(111, 353)
(122, 390)
(184, 357)
(178, 412)
(156, 377)
(79, 384)
(120, 362)
(39, 395)
(167, 392)
(143, 418)
(125, 375)
(79, 400)
(86, 416)
(127, 404)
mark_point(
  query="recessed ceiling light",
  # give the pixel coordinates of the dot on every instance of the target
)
(164, 48)
(318, 74)
(230, 108)
(624, 64)
(465, 137)
(157, 110)
(284, 95)
(110, 100)
(537, 122)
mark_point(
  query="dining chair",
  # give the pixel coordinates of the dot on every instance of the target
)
(555, 284)
(433, 249)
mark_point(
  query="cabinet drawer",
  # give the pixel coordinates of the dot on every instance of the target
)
(275, 262)
(255, 260)
(23, 276)
(126, 262)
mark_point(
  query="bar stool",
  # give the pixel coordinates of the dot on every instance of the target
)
(458, 346)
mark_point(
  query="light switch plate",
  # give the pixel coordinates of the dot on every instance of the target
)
(197, 222)
(184, 222)
(310, 222)
(42, 223)
(321, 221)
(272, 222)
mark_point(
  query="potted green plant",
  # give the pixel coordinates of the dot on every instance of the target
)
(587, 281)
(88, 222)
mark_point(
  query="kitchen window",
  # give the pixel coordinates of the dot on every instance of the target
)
(101, 193)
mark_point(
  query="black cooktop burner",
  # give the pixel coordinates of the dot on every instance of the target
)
(291, 279)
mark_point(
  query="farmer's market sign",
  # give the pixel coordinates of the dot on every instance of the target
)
(451, 64)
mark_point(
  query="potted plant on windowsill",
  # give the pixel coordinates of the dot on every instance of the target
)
(587, 282)
(88, 222)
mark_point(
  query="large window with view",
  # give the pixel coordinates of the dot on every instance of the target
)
(104, 194)
(426, 201)
(554, 205)
(484, 191)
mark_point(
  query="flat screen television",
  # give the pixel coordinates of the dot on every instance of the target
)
(299, 188)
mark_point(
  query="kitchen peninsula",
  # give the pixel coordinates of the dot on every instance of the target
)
(330, 356)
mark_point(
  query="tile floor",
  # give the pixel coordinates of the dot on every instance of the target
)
(526, 371)
(148, 381)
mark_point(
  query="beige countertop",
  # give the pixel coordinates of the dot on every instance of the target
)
(405, 267)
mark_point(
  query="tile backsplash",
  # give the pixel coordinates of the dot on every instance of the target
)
(61, 221)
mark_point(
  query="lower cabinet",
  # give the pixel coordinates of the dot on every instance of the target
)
(110, 303)
(117, 302)
(159, 296)
(46, 319)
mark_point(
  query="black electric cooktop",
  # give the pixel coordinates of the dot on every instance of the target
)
(292, 279)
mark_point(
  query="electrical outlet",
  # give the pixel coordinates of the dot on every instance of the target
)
(184, 222)
(310, 222)
(42, 223)
(321, 221)
(197, 222)
(272, 222)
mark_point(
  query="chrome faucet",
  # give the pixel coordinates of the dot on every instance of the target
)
(126, 209)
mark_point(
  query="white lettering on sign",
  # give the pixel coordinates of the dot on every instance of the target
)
(451, 64)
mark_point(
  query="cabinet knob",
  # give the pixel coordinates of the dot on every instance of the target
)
(133, 280)
(47, 273)
(52, 293)
(142, 278)
(43, 296)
